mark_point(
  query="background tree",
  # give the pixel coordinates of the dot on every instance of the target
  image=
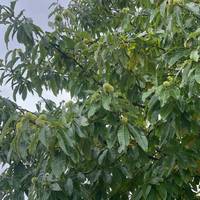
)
(132, 130)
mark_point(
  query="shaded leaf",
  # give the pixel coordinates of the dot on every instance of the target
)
(106, 102)
(140, 138)
(123, 138)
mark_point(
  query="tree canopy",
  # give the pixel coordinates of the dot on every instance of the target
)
(132, 128)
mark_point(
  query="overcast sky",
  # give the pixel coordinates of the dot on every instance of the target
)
(38, 11)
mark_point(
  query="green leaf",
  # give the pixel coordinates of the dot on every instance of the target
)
(20, 35)
(69, 186)
(7, 34)
(163, 7)
(58, 165)
(12, 4)
(53, 86)
(162, 191)
(177, 57)
(156, 180)
(6, 128)
(102, 156)
(193, 7)
(32, 148)
(68, 42)
(55, 187)
(194, 55)
(197, 76)
(140, 137)
(106, 102)
(194, 34)
(147, 94)
(166, 132)
(146, 191)
(123, 138)
(174, 92)
(15, 92)
(92, 110)
(80, 132)
(166, 111)
(44, 135)
(24, 93)
(28, 30)
(82, 121)
(185, 74)
(62, 144)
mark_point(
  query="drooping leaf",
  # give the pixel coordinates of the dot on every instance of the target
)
(106, 102)
(69, 186)
(58, 165)
(44, 135)
(194, 55)
(123, 138)
(140, 138)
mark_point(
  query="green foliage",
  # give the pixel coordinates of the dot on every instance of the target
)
(132, 129)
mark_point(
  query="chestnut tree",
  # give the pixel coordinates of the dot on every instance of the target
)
(132, 127)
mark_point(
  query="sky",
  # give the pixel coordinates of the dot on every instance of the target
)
(38, 11)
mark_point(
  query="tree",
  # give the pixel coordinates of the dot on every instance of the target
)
(132, 128)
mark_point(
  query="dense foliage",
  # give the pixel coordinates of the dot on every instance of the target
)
(132, 129)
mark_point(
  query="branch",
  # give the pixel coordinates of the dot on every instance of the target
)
(23, 110)
(67, 56)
